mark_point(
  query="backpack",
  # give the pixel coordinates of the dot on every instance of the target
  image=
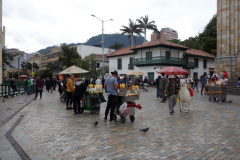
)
(26, 83)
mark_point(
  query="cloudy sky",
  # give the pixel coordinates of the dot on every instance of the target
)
(35, 24)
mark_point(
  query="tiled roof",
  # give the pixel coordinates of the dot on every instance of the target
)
(99, 57)
(122, 51)
(159, 43)
(196, 52)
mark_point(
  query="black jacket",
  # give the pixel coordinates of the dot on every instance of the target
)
(59, 87)
(80, 89)
(13, 84)
(86, 82)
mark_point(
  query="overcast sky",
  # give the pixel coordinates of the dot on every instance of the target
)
(35, 24)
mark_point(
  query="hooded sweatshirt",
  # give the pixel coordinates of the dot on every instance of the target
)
(80, 89)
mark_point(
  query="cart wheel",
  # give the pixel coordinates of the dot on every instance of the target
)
(123, 120)
(132, 118)
(209, 99)
(81, 109)
(62, 99)
(214, 99)
(97, 111)
(114, 117)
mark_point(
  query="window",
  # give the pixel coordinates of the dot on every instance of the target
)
(168, 55)
(98, 65)
(148, 55)
(204, 64)
(196, 62)
(131, 60)
(119, 63)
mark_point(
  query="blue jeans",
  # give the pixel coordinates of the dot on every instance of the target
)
(159, 93)
(195, 85)
(28, 89)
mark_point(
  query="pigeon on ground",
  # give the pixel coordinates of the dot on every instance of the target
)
(230, 101)
(144, 130)
(3, 101)
(96, 123)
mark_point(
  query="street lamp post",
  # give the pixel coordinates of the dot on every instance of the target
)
(102, 41)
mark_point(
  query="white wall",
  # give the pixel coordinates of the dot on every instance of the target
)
(156, 52)
(200, 70)
(126, 60)
(85, 50)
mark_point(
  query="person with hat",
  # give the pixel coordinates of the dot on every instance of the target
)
(204, 82)
(121, 81)
(112, 86)
(172, 92)
(162, 86)
(78, 93)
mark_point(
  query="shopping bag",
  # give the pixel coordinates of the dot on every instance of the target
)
(126, 111)
(178, 97)
(123, 107)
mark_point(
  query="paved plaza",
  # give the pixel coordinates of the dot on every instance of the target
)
(45, 130)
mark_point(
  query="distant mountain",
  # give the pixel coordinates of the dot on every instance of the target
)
(109, 39)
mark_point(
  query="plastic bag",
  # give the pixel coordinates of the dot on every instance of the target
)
(126, 111)
(123, 107)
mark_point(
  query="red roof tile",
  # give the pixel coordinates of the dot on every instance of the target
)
(196, 52)
(121, 51)
(99, 57)
(159, 43)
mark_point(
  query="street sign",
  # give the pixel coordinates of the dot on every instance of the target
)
(33, 73)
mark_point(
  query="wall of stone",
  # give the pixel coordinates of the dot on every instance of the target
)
(228, 37)
(1, 42)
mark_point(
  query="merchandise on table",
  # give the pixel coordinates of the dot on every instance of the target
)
(95, 89)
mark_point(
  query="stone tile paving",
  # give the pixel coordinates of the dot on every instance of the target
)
(209, 131)
(12, 105)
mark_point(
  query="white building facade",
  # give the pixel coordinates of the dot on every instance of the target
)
(85, 50)
(152, 57)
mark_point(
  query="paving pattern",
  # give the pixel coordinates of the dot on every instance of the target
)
(12, 105)
(209, 131)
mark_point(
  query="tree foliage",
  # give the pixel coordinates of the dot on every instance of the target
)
(131, 30)
(7, 58)
(54, 65)
(206, 41)
(145, 24)
(46, 73)
(116, 46)
(69, 57)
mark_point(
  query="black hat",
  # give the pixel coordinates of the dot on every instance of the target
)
(114, 72)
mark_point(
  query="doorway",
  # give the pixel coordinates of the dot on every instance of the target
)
(150, 76)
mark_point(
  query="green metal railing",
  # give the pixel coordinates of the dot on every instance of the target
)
(160, 60)
(130, 66)
(190, 65)
(6, 89)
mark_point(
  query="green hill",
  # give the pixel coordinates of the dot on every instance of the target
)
(109, 39)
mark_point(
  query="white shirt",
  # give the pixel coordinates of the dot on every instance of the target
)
(224, 81)
(214, 75)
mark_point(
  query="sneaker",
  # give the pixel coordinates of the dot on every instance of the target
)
(171, 113)
(14, 95)
(68, 108)
(105, 119)
(34, 98)
(157, 98)
(238, 86)
(113, 121)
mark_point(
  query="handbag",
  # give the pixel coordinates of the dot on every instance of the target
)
(39, 89)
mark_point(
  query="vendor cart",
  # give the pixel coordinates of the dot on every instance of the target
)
(128, 96)
(217, 93)
(91, 102)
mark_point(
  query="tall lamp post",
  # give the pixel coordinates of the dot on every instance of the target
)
(102, 41)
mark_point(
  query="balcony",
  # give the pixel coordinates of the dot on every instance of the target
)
(190, 65)
(130, 66)
(160, 60)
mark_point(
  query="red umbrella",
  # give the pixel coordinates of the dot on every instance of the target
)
(173, 71)
(23, 76)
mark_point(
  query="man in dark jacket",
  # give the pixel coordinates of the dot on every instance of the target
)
(157, 82)
(86, 81)
(204, 82)
(172, 92)
(13, 86)
(39, 87)
(47, 84)
(162, 86)
(78, 93)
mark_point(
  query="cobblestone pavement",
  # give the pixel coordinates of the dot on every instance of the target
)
(12, 105)
(209, 131)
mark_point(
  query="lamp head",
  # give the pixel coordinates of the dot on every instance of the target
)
(93, 15)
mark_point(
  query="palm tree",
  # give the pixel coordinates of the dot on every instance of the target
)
(131, 29)
(143, 23)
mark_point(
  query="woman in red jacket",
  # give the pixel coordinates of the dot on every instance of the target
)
(39, 87)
